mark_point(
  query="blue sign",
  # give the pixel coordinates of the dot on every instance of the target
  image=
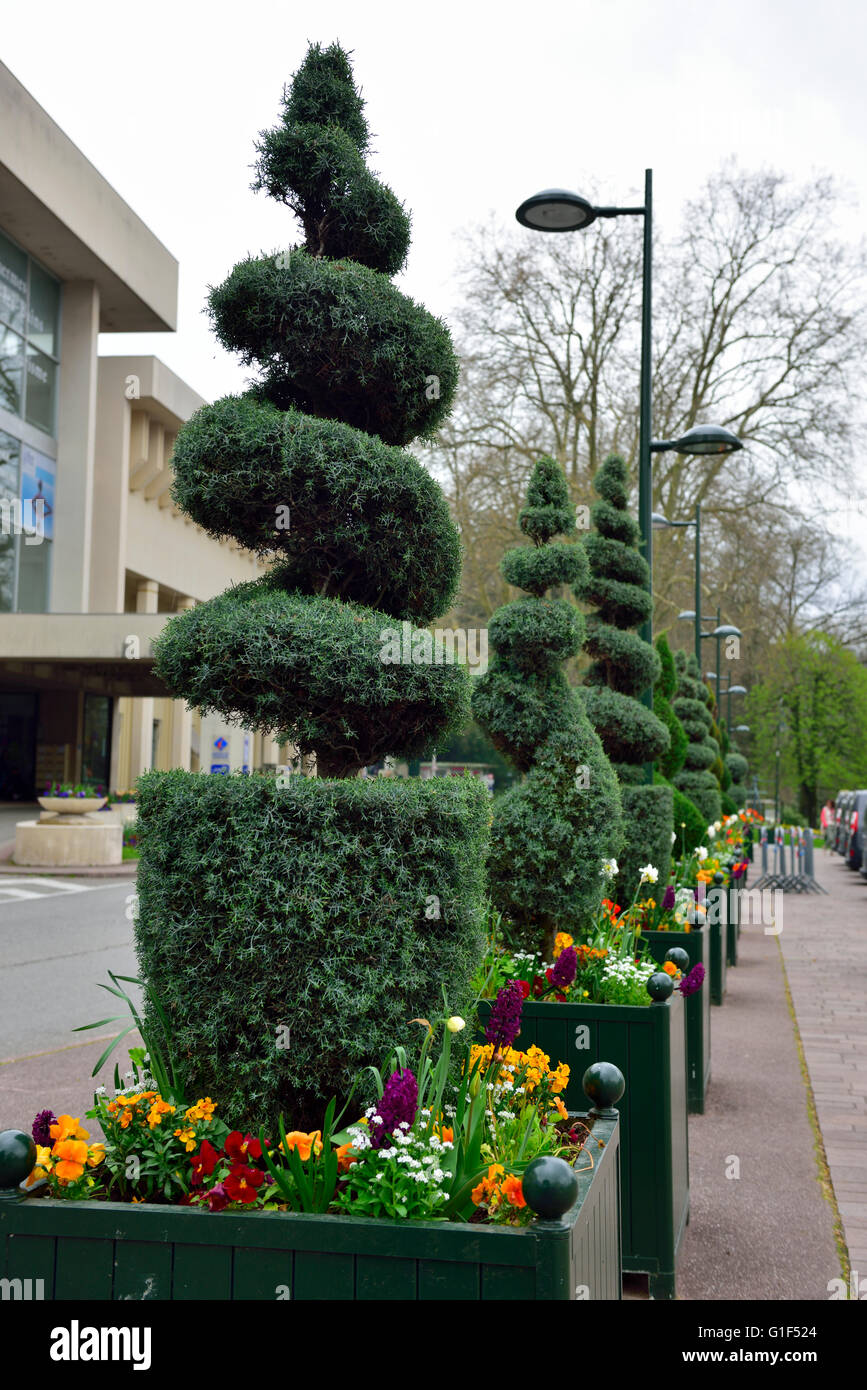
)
(220, 745)
(219, 767)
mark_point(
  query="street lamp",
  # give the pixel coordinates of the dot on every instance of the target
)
(661, 523)
(560, 210)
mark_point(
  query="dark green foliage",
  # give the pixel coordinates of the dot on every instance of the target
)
(729, 805)
(311, 908)
(667, 683)
(306, 466)
(323, 93)
(648, 813)
(738, 767)
(691, 707)
(624, 664)
(672, 761)
(346, 212)
(339, 341)
(362, 518)
(553, 829)
(629, 731)
(311, 668)
(690, 825)
(543, 568)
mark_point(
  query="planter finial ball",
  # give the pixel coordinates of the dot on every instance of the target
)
(17, 1161)
(603, 1084)
(550, 1187)
(660, 986)
(719, 878)
(679, 957)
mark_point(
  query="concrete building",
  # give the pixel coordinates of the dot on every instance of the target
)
(93, 554)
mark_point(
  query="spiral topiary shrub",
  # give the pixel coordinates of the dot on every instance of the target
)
(671, 761)
(696, 780)
(738, 767)
(340, 906)
(624, 666)
(552, 830)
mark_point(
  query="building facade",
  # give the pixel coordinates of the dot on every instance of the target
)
(94, 556)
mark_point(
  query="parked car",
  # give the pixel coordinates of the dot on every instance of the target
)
(855, 837)
(841, 820)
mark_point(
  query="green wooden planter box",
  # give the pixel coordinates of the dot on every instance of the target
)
(718, 948)
(111, 1250)
(648, 1044)
(696, 943)
(732, 924)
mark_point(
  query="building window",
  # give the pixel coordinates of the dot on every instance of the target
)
(26, 526)
(29, 338)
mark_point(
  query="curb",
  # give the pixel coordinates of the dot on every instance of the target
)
(125, 870)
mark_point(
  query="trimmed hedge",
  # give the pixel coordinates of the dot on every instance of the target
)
(312, 909)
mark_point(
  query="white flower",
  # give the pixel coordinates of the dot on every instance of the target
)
(711, 831)
(455, 1024)
(100, 1090)
(717, 825)
(673, 836)
(701, 853)
(609, 868)
(649, 874)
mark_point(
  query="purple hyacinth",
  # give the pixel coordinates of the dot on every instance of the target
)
(504, 1024)
(693, 981)
(565, 968)
(668, 898)
(41, 1130)
(398, 1105)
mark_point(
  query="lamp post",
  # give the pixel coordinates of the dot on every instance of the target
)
(559, 210)
(661, 523)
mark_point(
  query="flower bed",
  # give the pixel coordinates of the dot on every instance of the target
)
(648, 1044)
(474, 1143)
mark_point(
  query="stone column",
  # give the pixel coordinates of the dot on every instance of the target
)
(182, 718)
(76, 438)
(142, 723)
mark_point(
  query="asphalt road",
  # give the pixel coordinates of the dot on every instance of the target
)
(55, 949)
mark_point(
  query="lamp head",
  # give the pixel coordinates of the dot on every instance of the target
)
(707, 439)
(687, 615)
(726, 631)
(556, 210)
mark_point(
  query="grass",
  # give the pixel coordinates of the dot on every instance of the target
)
(129, 852)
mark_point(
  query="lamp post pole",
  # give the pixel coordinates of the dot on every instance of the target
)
(698, 583)
(645, 422)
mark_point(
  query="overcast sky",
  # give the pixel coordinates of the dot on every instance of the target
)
(474, 106)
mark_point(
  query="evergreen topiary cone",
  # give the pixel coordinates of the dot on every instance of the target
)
(552, 830)
(291, 932)
(624, 665)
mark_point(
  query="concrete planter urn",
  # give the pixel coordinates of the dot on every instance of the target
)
(70, 808)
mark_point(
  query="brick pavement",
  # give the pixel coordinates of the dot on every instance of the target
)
(824, 945)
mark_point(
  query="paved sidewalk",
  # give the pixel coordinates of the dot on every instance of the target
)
(767, 1233)
(824, 944)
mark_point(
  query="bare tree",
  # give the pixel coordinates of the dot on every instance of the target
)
(760, 324)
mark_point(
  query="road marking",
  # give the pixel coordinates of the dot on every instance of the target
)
(14, 889)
